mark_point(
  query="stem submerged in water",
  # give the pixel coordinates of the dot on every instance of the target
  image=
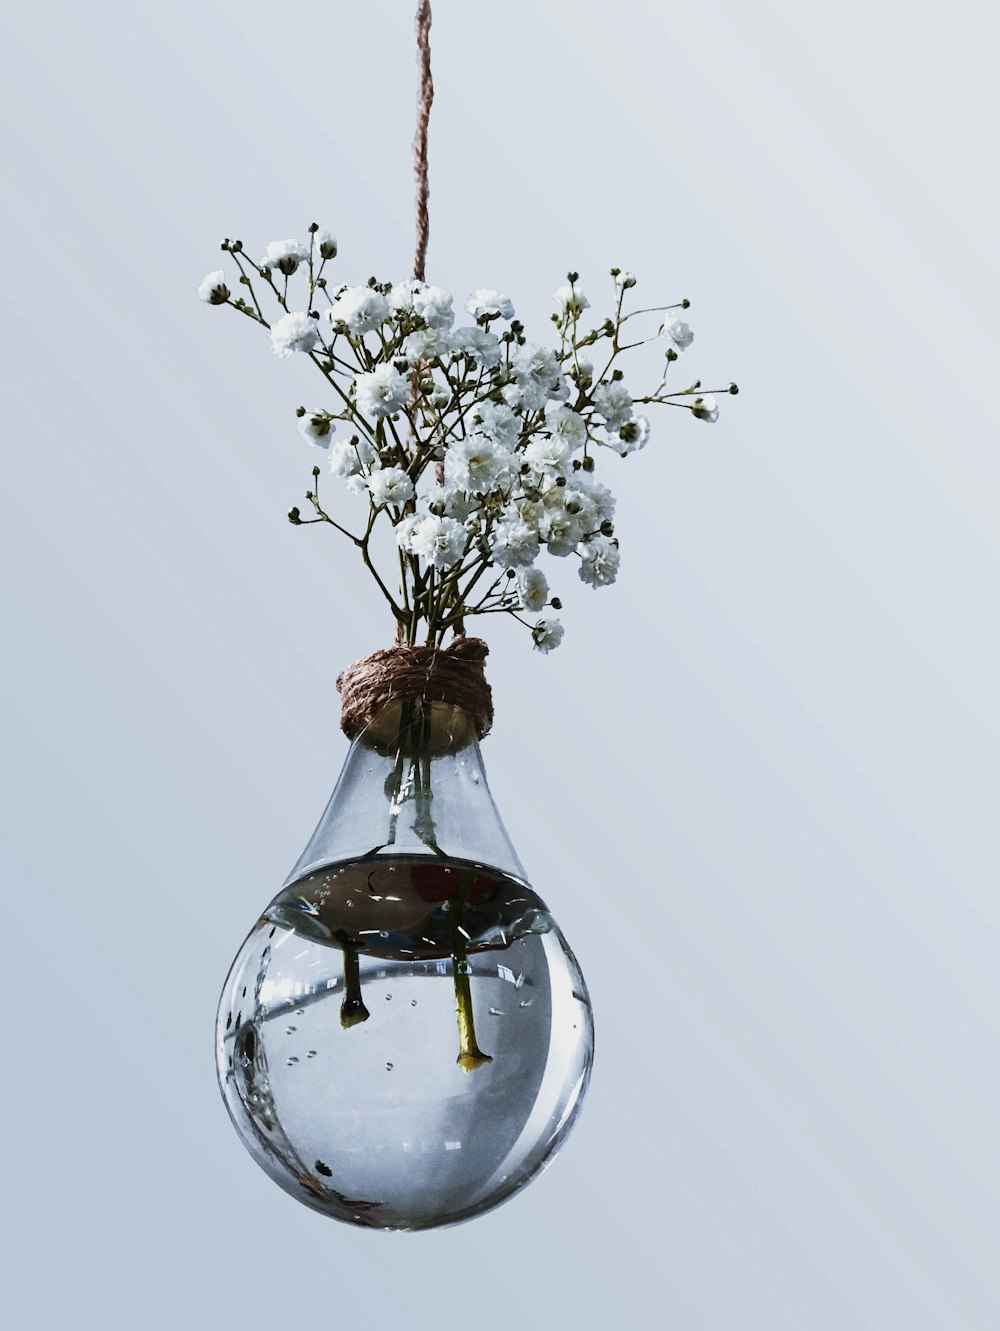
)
(352, 1010)
(470, 1056)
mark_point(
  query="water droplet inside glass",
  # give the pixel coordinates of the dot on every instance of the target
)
(413, 1002)
(292, 1061)
(311, 1053)
(388, 998)
(526, 1002)
(289, 1030)
(388, 1067)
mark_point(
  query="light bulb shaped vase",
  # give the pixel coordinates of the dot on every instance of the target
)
(405, 1038)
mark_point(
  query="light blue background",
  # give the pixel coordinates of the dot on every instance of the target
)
(757, 784)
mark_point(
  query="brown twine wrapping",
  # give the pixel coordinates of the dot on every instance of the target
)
(424, 99)
(452, 674)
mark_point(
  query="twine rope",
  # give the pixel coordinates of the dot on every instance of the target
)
(452, 674)
(425, 96)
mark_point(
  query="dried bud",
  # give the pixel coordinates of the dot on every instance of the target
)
(555, 603)
(587, 464)
(300, 411)
(313, 227)
(315, 471)
(295, 517)
(607, 527)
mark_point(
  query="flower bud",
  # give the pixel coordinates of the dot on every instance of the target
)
(295, 517)
(587, 464)
(555, 603)
(607, 527)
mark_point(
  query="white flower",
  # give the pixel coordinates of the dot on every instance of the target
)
(599, 562)
(705, 408)
(581, 371)
(537, 375)
(406, 528)
(488, 304)
(348, 459)
(547, 634)
(285, 255)
(625, 280)
(440, 541)
(514, 543)
(454, 503)
(478, 343)
(294, 332)
(326, 243)
(362, 309)
(571, 301)
(498, 421)
(213, 289)
(476, 464)
(562, 532)
(534, 588)
(317, 427)
(426, 344)
(632, 436)
(401, 295)
(589, 500)
(381, 392)
(677, 331)
(567, 425)
(391, 485)
(548, 454)
(433, 304)
(613, 402)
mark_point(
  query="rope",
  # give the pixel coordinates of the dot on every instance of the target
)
(425, 96)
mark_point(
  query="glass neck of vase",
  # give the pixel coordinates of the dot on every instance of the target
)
(413, 786)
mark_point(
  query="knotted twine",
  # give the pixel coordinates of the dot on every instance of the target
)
(452, 674)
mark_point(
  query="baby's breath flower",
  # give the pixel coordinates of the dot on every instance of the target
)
(536, 372)
(285, 255)
(632, 436)
(426, 344)
(405, 529)
(488, 304)
(326, 243)
(433, 304)
(294, 332)
(613, 402)
(514, 543)
(439, 540)
(213, 289)
(348, 458)
(478, 344)
(381, 392)
(391, 485)
(548, 453)
(547, 634)
(498, 421)
(677, 331)
(705, 408)
(362, 309)
(317, 427)
(566, 425)
(401, 295)
(571, 301)
(533, 588)
(599, 561)
(476, 464)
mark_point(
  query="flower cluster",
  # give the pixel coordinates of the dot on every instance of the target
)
(477, 447)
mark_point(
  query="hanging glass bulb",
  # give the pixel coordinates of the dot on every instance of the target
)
(404, 1038)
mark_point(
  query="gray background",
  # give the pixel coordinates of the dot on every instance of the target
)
(757, 784)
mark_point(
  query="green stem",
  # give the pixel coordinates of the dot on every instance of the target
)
(470, 1056)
